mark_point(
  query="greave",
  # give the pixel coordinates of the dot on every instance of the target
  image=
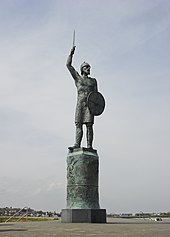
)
(89, 136)
(79, 135)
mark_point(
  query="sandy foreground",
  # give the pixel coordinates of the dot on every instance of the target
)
(114, 227)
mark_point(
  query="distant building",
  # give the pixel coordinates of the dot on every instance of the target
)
(126, 215)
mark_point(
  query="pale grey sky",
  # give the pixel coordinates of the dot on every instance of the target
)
(127, 45)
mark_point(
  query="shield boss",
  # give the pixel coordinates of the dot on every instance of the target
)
(96, 103)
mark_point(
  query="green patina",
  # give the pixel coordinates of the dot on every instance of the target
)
(82, 179)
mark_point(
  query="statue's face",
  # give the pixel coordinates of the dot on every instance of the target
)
(86, 70)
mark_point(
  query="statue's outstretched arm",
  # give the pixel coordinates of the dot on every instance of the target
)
(72, 70)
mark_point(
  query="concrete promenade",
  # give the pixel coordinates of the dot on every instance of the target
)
(114, 227)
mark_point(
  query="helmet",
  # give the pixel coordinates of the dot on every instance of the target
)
(84, 64)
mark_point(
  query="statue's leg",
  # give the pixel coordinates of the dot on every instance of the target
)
(79, 134)
(89, 134)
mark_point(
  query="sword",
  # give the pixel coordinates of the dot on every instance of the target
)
(74, 37)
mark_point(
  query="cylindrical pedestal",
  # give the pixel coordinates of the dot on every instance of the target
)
(82, 179)
(82, 188)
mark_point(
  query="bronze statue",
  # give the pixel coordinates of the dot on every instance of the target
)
(85, 85)
(90, 102)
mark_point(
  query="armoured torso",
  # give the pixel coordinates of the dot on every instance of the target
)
(84, 87)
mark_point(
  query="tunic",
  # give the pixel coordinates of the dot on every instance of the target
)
(84, 87)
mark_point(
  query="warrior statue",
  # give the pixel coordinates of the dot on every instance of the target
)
(85, 85)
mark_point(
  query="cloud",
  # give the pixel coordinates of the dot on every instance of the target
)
(22, 192)
(127, 44)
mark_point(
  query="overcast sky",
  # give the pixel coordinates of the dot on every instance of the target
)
(127, 45)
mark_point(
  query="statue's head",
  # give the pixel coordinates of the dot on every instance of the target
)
(85, 68)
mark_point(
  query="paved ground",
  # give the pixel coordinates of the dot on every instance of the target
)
(114, 228)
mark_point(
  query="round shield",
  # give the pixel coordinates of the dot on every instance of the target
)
(96, 103)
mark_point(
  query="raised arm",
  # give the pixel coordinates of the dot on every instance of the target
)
(73, 72)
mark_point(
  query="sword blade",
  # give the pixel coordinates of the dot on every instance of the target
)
(74, 38)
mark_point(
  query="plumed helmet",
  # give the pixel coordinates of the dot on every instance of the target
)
(84, 64)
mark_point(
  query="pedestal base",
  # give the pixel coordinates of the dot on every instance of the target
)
(83, 216)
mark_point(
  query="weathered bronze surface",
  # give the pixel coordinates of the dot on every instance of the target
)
(82, 179)
(96, 103)
(85, 109)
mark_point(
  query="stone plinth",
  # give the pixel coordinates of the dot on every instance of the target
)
(82, 187)
(83, 216)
